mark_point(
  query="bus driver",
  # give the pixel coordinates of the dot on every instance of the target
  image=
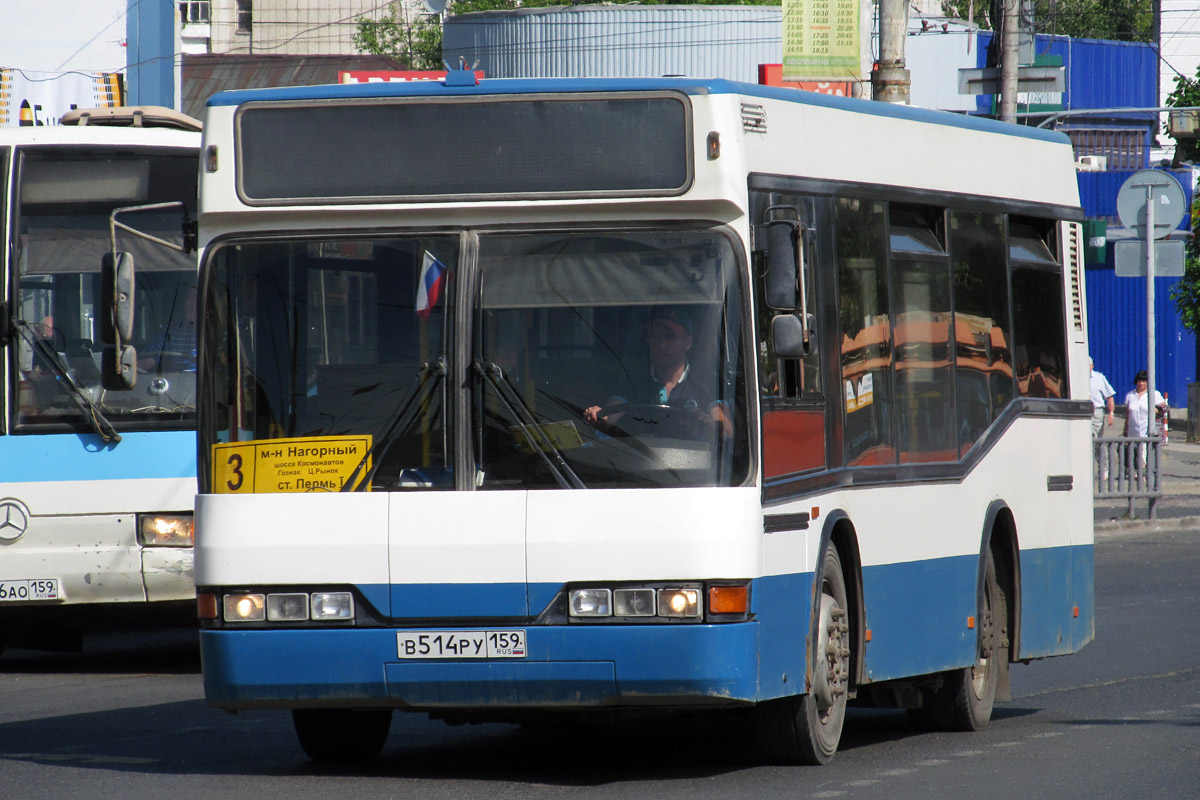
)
(667, 383)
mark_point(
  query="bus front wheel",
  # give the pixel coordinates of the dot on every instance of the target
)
(807, 729)
(342, 734)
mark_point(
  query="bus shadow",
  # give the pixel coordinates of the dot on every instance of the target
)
(173, 650)
(188, 738)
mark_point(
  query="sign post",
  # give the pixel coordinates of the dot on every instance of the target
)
(1152, 204)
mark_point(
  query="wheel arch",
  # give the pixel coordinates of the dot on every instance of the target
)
(839, 531)
(1000, 536)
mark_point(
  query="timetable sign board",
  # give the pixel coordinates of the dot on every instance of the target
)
(826, 39)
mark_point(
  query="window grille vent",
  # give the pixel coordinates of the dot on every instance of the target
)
(754, 118)
(1074, 260)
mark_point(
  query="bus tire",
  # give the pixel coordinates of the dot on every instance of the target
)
(807, 729)
(342, 734)
(965, 700)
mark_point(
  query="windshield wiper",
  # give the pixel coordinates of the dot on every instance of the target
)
(432, 373)
(93, 414)
(541, 444)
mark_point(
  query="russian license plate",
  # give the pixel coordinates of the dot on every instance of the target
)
(461, 644)
(34, 589)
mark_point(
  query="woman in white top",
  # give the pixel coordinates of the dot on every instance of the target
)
(1137, 420)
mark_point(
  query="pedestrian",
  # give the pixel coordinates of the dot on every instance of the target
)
(1137, 423)
(1102, 401)
(1137, 418)
(1102, 414)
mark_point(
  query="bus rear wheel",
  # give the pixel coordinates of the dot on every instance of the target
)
(342, 734)
(965, 700)
(807, 729)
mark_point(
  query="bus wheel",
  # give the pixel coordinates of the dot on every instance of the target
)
(342, 734)
(965, 700)
(807, 729)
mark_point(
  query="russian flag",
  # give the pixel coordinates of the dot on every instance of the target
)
(429, 284)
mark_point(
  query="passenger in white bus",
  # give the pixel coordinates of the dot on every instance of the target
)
(669, 381)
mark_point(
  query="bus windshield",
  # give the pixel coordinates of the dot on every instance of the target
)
(618, 353)
(590, 360)
(65, 201)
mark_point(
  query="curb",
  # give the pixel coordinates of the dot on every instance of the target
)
(1119, 526)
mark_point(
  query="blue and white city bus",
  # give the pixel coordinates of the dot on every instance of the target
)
(533, 396)
(96, 486)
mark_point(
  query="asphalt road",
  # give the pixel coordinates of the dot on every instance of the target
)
(1121, 719)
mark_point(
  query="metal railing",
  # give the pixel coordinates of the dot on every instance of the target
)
(1129, 467)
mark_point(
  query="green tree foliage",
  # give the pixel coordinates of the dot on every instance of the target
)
(1120, 20)
(415, 40)
(1186, 293)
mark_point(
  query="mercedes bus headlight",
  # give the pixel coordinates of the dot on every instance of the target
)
(165, 530)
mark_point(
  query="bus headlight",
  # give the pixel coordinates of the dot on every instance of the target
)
(245, 607)
(678, 602)
(290, 607)
(590, 603)
(165, 530)
(332, 605)
(633, 602)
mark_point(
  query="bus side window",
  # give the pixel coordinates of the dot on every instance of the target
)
(792, 400)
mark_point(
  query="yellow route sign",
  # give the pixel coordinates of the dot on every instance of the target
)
(309, 464)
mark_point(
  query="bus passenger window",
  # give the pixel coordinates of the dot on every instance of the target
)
(1039, 324)
(982, 344)
(792, 400)
(866, 339)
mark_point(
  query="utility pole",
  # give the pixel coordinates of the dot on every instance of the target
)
(891, 81)
(1009, 56)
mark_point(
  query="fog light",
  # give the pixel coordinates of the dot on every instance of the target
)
(165, 530)
(679, 602)
(292, 607)
(245, 608)
(591, 603)
(633, 602)
(332, 605)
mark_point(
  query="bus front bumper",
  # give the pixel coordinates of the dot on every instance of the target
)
(566, 667)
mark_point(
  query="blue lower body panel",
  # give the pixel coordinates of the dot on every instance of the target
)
(566, 666)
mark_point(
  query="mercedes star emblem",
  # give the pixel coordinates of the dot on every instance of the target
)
(14, 519)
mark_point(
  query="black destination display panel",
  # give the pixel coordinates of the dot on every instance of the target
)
(508, 146)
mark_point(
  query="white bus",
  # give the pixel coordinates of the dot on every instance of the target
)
(531, 397)
(96, 486)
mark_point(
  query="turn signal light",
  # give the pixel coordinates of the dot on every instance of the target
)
(728, 599)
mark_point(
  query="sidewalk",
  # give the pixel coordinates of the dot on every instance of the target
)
(1179, 506)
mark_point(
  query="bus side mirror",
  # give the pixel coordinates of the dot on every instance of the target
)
(782, 264)
(793, 336)
(118, 368)
(116, 298)
(119, 362)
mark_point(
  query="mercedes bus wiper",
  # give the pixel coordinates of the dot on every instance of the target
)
(93, 414)
(432, 373)
(534, 433)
